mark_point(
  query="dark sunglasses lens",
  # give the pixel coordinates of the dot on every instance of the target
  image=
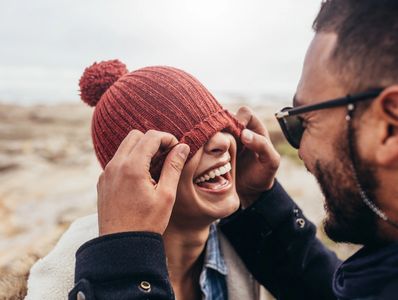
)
(293, 129)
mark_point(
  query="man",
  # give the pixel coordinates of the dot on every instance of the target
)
(350, 145)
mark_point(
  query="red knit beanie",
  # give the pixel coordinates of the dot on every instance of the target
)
(160, 98)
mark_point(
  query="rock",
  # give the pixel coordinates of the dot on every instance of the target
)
(8, 164)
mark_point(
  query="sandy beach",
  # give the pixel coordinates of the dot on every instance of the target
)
(48, 175)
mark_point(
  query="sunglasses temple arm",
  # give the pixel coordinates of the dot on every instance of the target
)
(330, 104)
(281, 114)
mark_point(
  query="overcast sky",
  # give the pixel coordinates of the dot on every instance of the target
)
(250, 47)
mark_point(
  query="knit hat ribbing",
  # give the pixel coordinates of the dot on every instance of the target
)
(161, 98)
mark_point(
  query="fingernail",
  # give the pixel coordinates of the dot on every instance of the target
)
(183, 151)
(247, 135)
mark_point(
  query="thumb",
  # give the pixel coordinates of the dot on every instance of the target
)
(261, 145)
(173, 166)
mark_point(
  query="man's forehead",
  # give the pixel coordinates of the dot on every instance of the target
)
(318, 82)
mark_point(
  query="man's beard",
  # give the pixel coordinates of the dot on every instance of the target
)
(348, 218)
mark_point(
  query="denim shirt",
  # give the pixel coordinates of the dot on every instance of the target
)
(212, 279)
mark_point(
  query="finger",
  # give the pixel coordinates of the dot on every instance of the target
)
(261, 145)
(149, 144)
(128, 144)
(172, 168)
(247, 117)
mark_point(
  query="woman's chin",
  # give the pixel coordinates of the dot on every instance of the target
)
(204, 207)
(222, 208)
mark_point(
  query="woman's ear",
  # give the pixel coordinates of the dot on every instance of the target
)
(387, 104)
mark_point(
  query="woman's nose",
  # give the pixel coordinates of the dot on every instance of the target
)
(218, 144)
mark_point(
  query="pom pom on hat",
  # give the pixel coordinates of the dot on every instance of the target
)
(97, 78)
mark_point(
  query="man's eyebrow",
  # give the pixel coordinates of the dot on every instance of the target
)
(296, 101)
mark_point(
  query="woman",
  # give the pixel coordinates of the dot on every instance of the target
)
(201, 263)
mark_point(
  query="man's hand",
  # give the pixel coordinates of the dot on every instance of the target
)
(258, 163)
(128, 198)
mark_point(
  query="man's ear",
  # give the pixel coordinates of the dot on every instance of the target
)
(387, 106)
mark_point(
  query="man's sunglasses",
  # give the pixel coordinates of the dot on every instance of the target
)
(292, 124)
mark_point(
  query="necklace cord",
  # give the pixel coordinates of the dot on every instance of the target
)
(369, 203)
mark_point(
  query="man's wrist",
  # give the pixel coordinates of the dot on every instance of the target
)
(122, 262)
(249, 198)
(93, 256)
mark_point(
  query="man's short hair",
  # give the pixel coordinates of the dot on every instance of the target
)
(366, 53)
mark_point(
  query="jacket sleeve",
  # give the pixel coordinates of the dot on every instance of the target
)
(389, 291)
(279, 247)
(129, 265)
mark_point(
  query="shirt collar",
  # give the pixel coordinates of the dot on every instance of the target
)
(213, 255)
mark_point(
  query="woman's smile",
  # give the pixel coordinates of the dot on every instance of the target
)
(217, 179)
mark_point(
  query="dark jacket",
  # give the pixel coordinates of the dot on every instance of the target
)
(274, 239)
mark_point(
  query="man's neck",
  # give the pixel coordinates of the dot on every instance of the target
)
(387, 200)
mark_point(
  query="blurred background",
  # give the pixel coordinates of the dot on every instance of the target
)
(247, 52)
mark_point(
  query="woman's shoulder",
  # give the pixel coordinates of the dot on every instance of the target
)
(53, 275)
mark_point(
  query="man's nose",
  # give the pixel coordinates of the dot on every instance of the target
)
(299, 154)
(218, 144)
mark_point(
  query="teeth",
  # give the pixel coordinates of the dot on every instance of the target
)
(215, 172)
